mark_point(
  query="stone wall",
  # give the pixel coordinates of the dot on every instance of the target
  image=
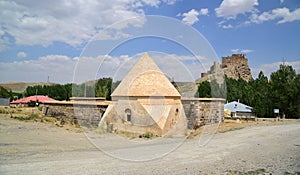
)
(203, 111)
(87, 115)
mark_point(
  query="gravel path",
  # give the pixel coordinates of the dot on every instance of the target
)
(37, 148)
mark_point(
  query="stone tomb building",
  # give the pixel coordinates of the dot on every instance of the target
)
(145, 101)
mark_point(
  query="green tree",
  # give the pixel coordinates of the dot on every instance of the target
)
(283, 85)
(103, 88)
(297, 97)
(204, 90)
(260, 95)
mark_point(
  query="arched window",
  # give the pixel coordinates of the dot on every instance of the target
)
(128, 114)
(176, 111)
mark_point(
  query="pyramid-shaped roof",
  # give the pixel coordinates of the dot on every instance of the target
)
(145, 79)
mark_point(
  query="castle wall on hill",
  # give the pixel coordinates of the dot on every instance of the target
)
(236, 66)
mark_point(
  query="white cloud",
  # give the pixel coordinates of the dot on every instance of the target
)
(204, 11)
(57, 67)
(63, 69)
(283, 14)
(42, 23)
(246, 50)
(4, 43)
(229, 26)
(235, 50)
(241, 50)
(269, 68)
(190, 17)
(170, 2)
(153, 3)
(21, 54)
(281, 1)
(229, 9)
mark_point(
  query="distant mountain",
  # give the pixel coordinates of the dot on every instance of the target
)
(21, 86)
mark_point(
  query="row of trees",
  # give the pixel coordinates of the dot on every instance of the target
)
(281, 91)
(100, 88)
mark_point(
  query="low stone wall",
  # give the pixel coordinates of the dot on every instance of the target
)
(203, 111)
(87, 115)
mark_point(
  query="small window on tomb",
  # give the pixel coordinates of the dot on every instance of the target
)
(128, 114)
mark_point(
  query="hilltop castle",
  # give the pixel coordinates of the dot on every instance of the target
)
(234, 66)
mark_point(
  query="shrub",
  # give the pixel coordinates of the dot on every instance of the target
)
(50, 119)
(147, 135)
(40, 108)
(63, 121)
(33, 116)
(3, 111)
(21, 118)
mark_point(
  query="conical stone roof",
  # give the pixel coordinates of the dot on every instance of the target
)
(145, 79)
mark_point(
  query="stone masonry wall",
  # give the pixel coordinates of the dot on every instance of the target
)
(203, 111)
(85, 115)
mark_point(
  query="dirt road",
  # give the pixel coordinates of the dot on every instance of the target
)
(37, 148)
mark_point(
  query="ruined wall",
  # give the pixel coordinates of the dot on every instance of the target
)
(85, 115)
(215, 73)
(203, 111)
(236, 66)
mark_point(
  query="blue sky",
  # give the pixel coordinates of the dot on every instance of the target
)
(40, 39)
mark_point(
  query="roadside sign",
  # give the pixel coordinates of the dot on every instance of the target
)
(276, 111)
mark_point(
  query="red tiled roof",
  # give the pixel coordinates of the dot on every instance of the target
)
(40, 98)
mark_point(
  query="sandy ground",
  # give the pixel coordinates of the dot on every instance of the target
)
(43, 148)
